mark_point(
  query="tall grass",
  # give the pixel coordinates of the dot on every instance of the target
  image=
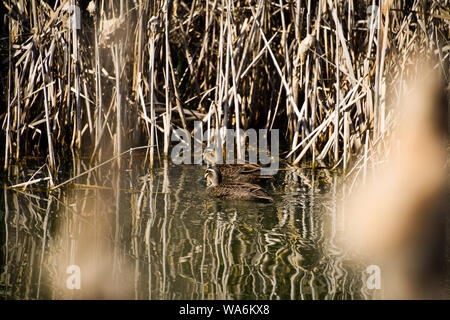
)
(136, 70)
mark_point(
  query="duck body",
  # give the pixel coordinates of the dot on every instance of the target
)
(242, 172)
(239, 172)
(233, 190)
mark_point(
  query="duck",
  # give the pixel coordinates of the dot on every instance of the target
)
(233, 190)
(240, 172)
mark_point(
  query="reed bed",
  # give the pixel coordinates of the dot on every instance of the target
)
(320, 71)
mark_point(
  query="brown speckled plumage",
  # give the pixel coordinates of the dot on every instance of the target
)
(241, 172)
(233, 190)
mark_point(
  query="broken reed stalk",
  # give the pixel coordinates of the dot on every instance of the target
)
(337, 85)
(73, 23)
(118, 135)
(99, 165)
(153, 31)
(98, 79)
(8, 107)
(168, 114)
(47, 115)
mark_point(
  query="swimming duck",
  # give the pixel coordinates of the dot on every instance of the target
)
(233, 190)
(245, 172)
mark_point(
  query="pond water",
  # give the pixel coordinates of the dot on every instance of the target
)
(154, 234)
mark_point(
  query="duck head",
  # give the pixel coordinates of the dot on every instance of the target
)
(213, 176)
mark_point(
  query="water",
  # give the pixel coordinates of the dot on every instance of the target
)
(141, 234)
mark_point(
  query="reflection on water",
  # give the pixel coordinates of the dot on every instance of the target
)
(156, 235)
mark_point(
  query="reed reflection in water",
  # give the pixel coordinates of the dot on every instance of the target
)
(137, 234)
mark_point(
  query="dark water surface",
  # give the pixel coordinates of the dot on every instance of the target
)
(142, 234)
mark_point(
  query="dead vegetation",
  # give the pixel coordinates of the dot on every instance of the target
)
(320, 71)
